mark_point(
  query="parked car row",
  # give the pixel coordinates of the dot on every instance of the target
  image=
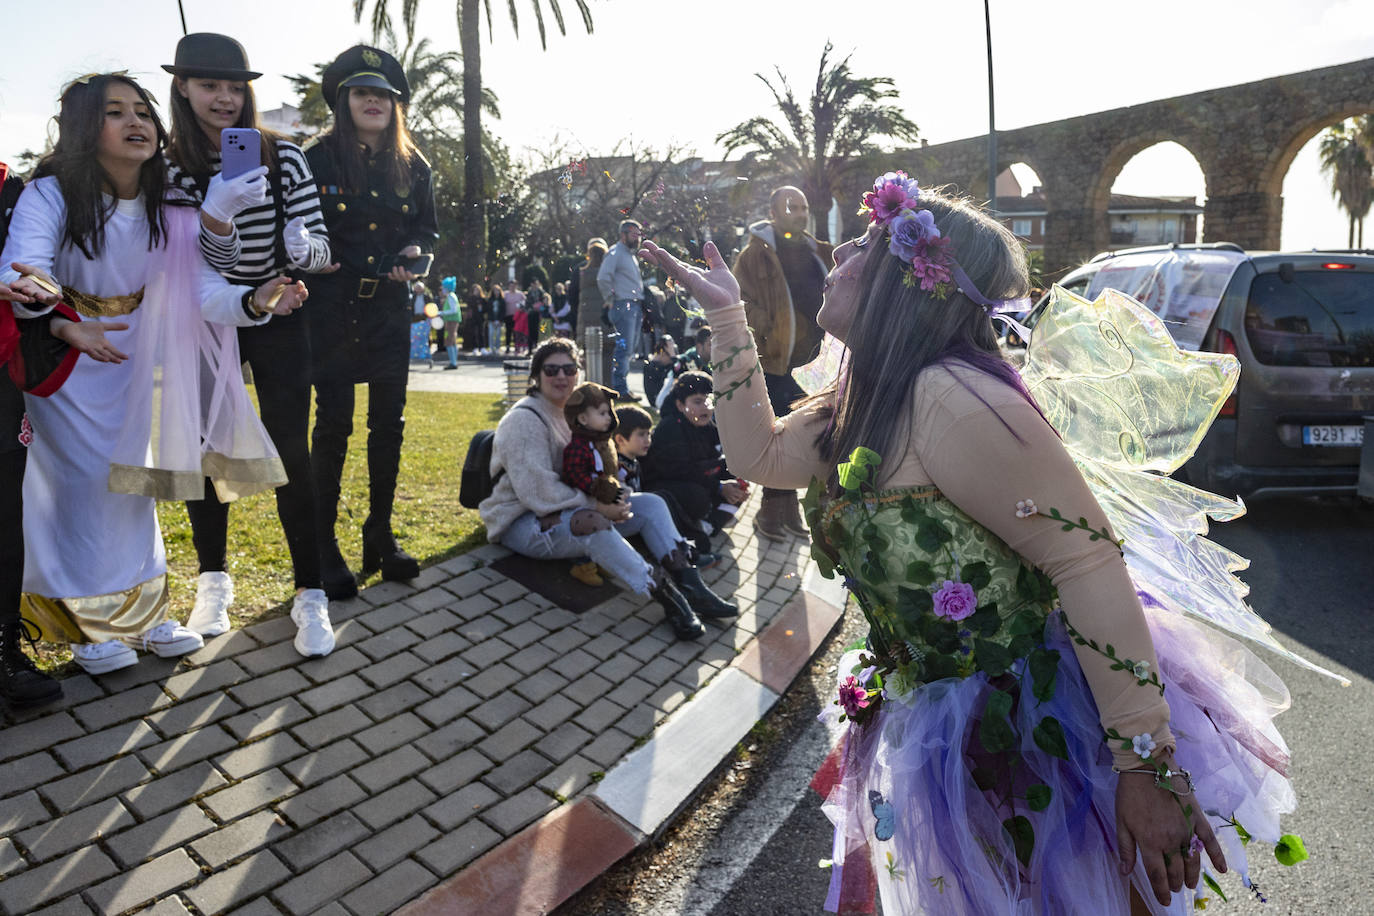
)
(1302, 326)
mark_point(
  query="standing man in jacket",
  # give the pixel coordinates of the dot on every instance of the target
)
(622, 289)
(781, 274)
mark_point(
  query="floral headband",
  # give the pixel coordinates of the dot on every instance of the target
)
(913, 237)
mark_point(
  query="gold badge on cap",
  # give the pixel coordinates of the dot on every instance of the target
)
(372, 58)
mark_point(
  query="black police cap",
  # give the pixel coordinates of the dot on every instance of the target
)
(362, 65)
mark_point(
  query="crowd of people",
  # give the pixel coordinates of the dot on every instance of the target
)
(142, 273)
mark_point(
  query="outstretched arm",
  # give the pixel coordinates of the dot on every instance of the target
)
(758, 445)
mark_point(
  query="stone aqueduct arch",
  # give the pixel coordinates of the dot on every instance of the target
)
(1244, 138)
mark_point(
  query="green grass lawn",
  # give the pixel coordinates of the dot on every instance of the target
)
(427, 519)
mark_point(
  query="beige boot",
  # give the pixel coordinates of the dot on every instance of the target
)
(769, 520)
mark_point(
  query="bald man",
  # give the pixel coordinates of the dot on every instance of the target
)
(781, 273)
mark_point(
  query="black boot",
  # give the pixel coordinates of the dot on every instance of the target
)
(336, 578)
(676, 609)
(21, 684)
(704, 602)
(380, 551)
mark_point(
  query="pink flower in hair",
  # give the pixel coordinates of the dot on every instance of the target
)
(853, 696)
(892, 193)
(930, 266)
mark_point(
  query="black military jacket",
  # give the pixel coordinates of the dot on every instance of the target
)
(368, 224)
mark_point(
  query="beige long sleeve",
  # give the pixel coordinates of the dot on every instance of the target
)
(759, 446)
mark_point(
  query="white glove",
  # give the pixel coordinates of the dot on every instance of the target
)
(297, 239)
(225, 200)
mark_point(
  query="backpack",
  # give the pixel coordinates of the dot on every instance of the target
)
(477, 481)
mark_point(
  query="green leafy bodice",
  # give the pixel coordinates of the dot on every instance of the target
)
(944, 596)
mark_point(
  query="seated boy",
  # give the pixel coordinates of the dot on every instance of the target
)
(633, 438)
(685, 461)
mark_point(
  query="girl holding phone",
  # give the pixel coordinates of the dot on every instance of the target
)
(101, 220)
(255, 226)
(379, 205)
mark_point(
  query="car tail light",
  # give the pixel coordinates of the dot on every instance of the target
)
(1227, 344)
(1335, 266)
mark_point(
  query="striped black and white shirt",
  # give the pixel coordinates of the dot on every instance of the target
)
(248, 253)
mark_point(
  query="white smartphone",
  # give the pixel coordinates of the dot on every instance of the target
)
(240, 150)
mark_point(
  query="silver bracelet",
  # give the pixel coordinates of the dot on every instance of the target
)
(1162, 779)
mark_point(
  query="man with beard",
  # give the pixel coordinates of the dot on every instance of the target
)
(781, 274)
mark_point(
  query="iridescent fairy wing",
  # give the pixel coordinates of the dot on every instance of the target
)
(1132, 408)
(824, 369)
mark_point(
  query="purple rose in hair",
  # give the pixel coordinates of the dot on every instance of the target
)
(909, 233)
(955, 600)
(892, 193)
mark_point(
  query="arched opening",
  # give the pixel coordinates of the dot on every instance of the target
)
(1023, 207)
(1312, 216)
(1156, 198)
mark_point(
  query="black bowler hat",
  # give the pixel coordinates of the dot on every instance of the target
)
(361, 65)
(212, 55)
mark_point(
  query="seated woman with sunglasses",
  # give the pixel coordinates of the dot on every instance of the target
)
(526, 510)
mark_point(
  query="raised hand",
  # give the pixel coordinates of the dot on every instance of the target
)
(715, 288)
(227, 198)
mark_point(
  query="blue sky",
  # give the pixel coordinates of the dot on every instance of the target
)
(682, 72)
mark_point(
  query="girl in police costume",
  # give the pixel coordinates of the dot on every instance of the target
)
(378, 204)
(253, 228)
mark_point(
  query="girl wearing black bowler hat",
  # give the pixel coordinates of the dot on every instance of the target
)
(254, 227)
(379, 207)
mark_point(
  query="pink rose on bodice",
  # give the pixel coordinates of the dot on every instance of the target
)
(955, 600)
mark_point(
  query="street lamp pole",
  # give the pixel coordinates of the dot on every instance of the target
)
(182, 11)
(992, 120)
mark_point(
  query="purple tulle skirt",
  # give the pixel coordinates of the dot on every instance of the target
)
(948, 852)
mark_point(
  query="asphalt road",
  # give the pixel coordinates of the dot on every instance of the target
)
(751, 843)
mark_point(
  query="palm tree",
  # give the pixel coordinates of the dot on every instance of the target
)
(1345, 156)
(842, 120)
(474, 216)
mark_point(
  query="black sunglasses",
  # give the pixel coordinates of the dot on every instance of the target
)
(568, 369)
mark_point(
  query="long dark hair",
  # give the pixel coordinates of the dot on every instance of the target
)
(75, 164)
(192, 151)
(898, 331)
(397, 151)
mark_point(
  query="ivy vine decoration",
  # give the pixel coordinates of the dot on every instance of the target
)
(729, 360)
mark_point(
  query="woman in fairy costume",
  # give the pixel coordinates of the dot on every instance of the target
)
(1006, 640)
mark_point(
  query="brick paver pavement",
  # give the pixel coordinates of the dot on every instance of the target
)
(455, 711)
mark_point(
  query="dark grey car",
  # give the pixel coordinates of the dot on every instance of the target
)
(1302, 326)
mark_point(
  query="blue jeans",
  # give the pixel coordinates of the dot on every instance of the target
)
(627, 318)
(608, 548)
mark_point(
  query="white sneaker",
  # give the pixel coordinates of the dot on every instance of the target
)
(168, 639)
(214, 594)
(310, 613)
(103, 657)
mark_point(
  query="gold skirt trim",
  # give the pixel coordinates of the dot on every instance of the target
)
(98, 618)
(102, 306)
(233, 478)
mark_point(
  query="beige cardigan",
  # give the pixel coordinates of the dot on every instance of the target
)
(530, 451)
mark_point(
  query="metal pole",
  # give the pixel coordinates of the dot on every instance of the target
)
(992, 120)
(182, 11)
